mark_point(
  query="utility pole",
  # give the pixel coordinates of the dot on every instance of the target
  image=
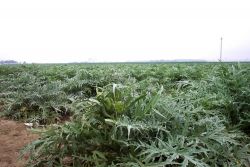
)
(221, 49)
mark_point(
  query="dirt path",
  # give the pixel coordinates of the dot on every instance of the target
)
(13, 136)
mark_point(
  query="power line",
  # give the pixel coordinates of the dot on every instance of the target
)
(221, 39)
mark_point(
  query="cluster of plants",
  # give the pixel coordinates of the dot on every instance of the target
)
(138, 115)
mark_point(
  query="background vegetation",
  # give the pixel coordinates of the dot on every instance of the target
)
(132, 114)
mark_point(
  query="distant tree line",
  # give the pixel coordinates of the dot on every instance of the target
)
(8, 62)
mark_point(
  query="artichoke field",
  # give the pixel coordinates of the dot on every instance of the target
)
(132, 115)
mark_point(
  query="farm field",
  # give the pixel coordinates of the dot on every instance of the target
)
(131, 115)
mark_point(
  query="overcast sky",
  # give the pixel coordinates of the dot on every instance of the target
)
(50, 31)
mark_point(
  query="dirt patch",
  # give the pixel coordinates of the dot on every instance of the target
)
(13, 136)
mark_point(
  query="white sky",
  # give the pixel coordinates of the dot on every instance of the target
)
(50, 31)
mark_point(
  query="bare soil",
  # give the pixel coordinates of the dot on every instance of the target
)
(13, 137)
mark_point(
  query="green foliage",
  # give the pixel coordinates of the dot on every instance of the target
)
(145, 130)
(132, 115)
